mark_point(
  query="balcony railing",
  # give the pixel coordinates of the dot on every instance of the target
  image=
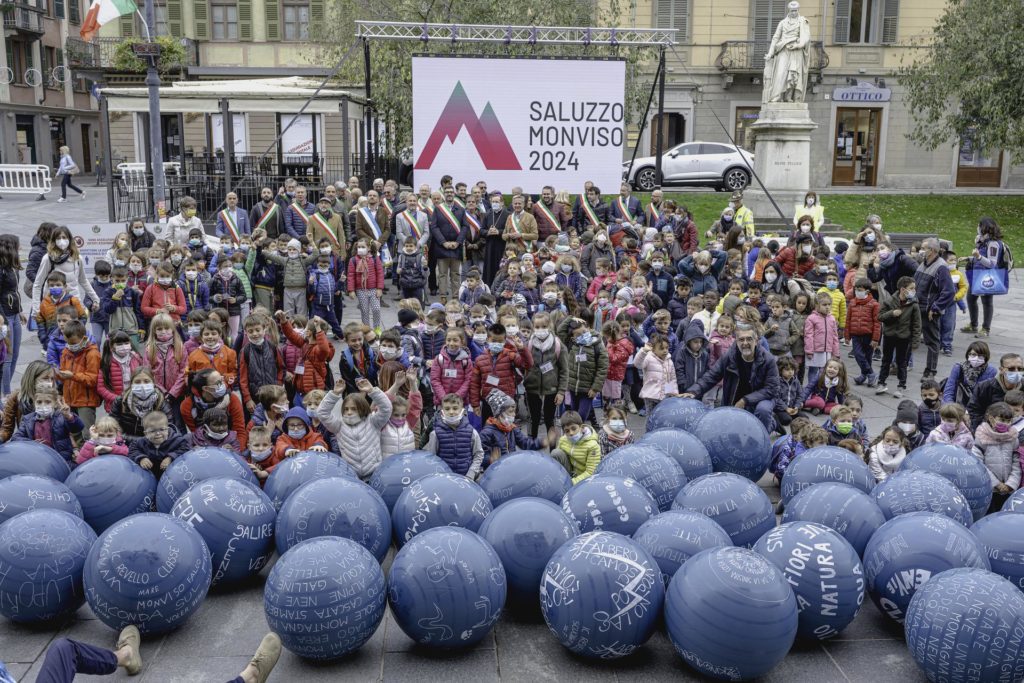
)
(100, 53)
(24, 16)
(747, 56)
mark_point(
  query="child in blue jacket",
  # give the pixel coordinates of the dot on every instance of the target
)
(322, 287)
(51, 423)
(101, 282)
(197, 292)
(500, 435)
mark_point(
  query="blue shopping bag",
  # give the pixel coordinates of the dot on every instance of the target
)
(987, 281)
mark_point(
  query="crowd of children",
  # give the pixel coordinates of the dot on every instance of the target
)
(194, 344)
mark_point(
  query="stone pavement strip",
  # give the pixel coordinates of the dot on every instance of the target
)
(219, 639)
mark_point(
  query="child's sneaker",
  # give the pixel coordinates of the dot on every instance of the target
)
(882, 389)
(970, 329)
(982, 334)
(642, 412)
(631, 407)
(859, 380)
(871, 380)
(899, 392)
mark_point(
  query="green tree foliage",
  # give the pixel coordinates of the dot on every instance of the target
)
(969, 82)
(391, 61)
(172, 55)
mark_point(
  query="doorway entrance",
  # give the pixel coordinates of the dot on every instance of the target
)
(977, 166)
(673, 131)
(86, 149)
(855, 156)
(25, 132)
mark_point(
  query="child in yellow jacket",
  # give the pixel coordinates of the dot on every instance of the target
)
(838, 302)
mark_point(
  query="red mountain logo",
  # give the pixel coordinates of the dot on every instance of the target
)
(485, 132)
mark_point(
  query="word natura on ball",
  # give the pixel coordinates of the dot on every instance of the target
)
(851, 512)
(301, 468)
(825, 463)
(608, 502)
(909, 550)
(687, 450)
(921, 491)
(736, 441)
(649, 466)
(398, 471)
(236, 520)
(196, 465)
(42, 558)
(446, 588)
(435, 500)
(151, 570)
(737, 504)
(601, 595)
(961, 467)
(675, 536)
(720, 600)
(967, 625)
(111, 489)
(1002, 534)
(523, 474)
(23, 492)
(325, 598)
(526, 532)
(824, 571)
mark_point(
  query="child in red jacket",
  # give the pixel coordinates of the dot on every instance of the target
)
(502, 365)
(104, 438)
(864, 328)
(619, 348)
(310, 370)
(366, 282)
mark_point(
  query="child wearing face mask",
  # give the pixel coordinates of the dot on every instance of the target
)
(568, 276)
(399, 434)
(117, 363)
(57, 297)
(79, 372)
(194, 287)
(292, 265)
(839, 425)
(579, 450)
(215, 432)
(906, 420)
(500, 366)
(886, 453)
(500, 435)
(214, 353)
(365, 282)
(260, 451)
(614, 433)
(357, 428)
(391, 349)
(226, 290)
(51, 423)
(953, 428)
(322, 287)
(995, 444)
(838, 298)
(298, 435)
(193, 329)
(454, 439)
(314, 352)
(588, 364)
(102, 284)
(450, 370)
(658, 278)
(821, 336)
(901, 325)
(260, 362)
(659, 372)
(164, 296)
(160, 444)
(412, 271)
(104, 439)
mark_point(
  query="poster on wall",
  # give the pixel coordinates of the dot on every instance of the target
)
(567, 127)
(300, 139)
(217, 132)
(95, 239)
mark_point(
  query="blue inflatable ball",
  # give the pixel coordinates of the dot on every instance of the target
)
(608, 502)
(825, 463)
(1015, 503)
(299, 469)
(1002, 534)
(840, 507)
(42, 557)
(335, 506)
(687, 450)
(439, 500)
(526, 532)
(195, 466)
(397, 471)
(525, 474)
(964, 625)
(907, 551)
(601, 595)
(446, 588)
(236, 519)
(677, 413)
(111, 489)
(737, 504)
(151, 570)
(961, 467)
(920, 491)
(675, 536)
(824, 571)
(736, 441)
(32, 457)
(325, 598)
(23, 492)
(730, 614)
(649, 466)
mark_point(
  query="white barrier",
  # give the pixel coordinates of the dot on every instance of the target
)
(25, 179)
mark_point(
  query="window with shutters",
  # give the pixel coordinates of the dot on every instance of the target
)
(866, 21)
(272, 15)
(673, 14)
(201, 16)
(74, 12)
(296, 20)
(174, 22)
(245, 19)
(225, 20)
(58, 8)
(767, 15)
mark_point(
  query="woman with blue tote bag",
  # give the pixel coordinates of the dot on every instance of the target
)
(987, 274)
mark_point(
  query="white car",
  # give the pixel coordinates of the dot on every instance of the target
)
(713, 164)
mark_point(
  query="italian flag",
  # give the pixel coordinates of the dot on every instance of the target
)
(104, 11)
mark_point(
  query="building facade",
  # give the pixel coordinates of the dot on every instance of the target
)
(42, 105)
(862, 113)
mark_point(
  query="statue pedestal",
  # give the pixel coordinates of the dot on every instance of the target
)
(782, 158)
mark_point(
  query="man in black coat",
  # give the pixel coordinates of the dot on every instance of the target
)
(1009, 377)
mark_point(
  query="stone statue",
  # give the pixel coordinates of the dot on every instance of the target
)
(788, 59)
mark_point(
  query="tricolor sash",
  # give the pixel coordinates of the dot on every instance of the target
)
(428, 207)
(302, 214)
(624, 209)
(654, 213)
(527, 245)
(319, 221)
(267, 216)
(447, 213)
(388, 207)
(549, 215)
(371, 218)
(461, 203)
(474, 226)
(591, 215)
(414, 225)
(231, 224)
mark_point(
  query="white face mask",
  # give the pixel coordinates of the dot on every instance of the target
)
(806, 249)
(453, 419)
(106, 440)
(351, 420)
(62, 243)
(122, 350)
(542, 334)
(512, 330)
(770, 277)
(44, 411)
(361, 251)
(326, 251)
(907, 427)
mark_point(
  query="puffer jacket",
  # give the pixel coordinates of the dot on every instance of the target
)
(359, 444)
(35, 256)
(451, 375)
(999, 454)
(285, 443)
(314, 359)
(168, 371)
(175, 445)
(550, 372)
(112, 390)
(61, 430)
(80, 390)
(961, 438)
(373, 278)
(130, 422)
(659, 374)
(158, 296)
(588, 365)
(906, 325)
(460, 446)
(618, 356)
(584, 455)
(862, 318)
(821, 334)
(507, 366)
(231, 289)
(882, 464)
(396, 439)
(293, 269)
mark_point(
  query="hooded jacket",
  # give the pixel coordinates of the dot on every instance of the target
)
(764, 378)
(359, 444)
(999, 454)
(584, 455)
(80, 390)
(175, 445)
(285, 443)
(689, 366)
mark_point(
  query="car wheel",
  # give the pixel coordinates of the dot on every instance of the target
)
(736, 179)
(646, 179)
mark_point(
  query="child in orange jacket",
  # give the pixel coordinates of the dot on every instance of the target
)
(214, 353)
(79, 372)
(298, 436)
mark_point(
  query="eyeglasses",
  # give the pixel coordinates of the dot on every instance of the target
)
(1016, 369)
(156, 432)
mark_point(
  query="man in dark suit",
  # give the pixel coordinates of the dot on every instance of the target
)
(494, 245)
(592, 211)
(447, 236)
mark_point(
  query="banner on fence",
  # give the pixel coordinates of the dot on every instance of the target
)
(519, 122)
(94, 240)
